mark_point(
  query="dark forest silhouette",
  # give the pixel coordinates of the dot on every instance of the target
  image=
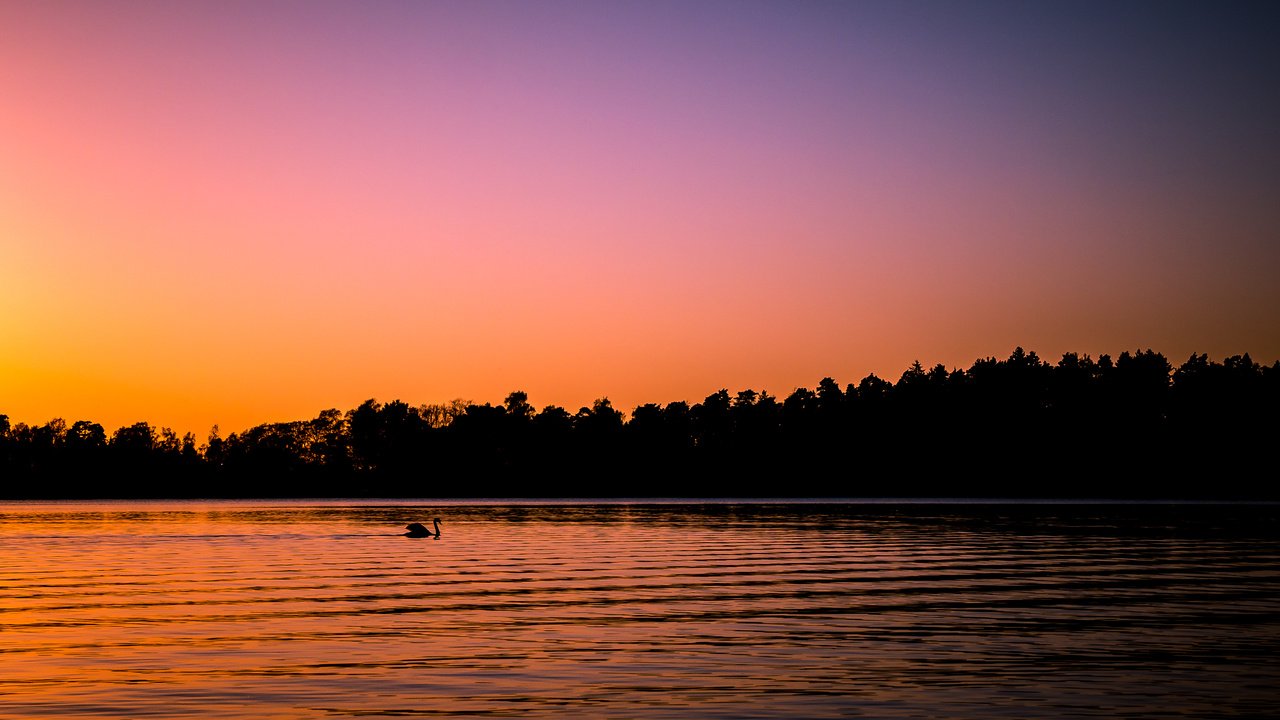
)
(1018, 427)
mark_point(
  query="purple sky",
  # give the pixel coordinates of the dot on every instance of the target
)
(243, 212)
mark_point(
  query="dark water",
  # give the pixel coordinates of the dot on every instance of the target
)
(296, 609)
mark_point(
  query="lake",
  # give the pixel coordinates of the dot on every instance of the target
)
(288, 609)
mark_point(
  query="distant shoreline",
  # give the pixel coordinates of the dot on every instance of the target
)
(1132, 428)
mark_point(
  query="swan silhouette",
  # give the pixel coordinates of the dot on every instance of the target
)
(417, 530)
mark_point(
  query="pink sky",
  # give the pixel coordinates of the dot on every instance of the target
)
(239, 213)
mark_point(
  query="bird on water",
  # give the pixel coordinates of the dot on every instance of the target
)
(418, 530)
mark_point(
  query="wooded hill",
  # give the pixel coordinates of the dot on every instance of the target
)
(1018, 427)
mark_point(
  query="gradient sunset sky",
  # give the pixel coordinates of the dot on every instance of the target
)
(246, 212)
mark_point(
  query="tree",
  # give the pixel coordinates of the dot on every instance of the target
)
(85, 435)
(518, 407)
(136, 439)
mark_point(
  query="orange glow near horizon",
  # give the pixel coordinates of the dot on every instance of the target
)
(238, 215)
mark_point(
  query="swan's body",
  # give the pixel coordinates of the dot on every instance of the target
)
(418, 530)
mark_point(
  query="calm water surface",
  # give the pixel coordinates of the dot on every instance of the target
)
(298, 609)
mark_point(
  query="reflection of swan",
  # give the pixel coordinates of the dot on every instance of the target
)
(417, 530)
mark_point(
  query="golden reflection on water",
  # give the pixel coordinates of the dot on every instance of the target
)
(291, 609)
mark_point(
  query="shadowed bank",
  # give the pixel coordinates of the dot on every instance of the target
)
(1019, 427)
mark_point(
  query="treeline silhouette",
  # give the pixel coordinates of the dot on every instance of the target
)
(1019, 427)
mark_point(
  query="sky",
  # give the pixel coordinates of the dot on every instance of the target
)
(241, 212)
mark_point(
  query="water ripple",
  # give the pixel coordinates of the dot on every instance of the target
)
(209, 610)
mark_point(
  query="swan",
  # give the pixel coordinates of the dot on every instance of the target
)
(417, 530)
